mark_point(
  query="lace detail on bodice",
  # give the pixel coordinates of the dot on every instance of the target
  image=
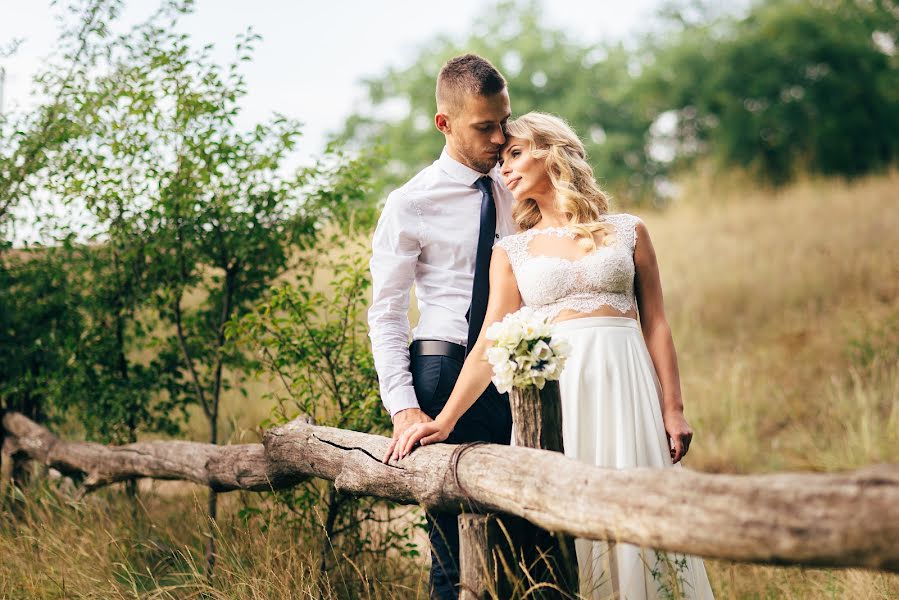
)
(551, 284)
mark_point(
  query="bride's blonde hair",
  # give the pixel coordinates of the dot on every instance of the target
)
(578, 196)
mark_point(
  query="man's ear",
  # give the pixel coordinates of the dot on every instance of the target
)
(442, 123)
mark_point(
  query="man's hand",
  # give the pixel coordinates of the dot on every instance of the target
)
(423, 434)
(401, 422)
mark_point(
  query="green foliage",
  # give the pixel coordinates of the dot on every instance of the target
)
(184, 206)
(114, 387)
(342, 187)
(792, 87)
(779, 88)
(312, 339)
(668, 572)
(190, 219)
(39, 326)
(586, 84)
(30, 141)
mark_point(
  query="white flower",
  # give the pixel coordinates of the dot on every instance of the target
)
(506, 367)
(524, 352)
(560, 347)
(493, 332)
(497, 355)
(503, 382)
(541, 351)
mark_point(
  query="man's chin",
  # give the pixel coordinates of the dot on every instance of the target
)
(479, 163)
(484, 166)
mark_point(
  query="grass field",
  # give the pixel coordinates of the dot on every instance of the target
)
(785, 311)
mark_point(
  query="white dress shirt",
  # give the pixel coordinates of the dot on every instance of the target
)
(427, 235)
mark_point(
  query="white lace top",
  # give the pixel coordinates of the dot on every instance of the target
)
(551, 284)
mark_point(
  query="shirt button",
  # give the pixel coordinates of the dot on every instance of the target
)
(496, 236)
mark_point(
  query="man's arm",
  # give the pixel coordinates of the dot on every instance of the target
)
(395, 251)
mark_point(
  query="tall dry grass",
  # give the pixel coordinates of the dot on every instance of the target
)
(785, 311)
(102, 548)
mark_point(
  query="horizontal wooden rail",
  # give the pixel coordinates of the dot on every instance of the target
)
(813, 519)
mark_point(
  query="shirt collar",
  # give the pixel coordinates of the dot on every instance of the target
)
(459, 172)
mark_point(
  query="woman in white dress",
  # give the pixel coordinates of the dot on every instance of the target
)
(592, 273)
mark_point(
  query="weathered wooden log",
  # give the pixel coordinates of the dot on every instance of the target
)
(222, 468)
(537, 417)
(549, 559)
(479, 574)
(826, 520)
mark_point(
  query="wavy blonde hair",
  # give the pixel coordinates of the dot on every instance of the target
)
(578, 196)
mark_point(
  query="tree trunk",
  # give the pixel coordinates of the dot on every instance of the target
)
(214, 400)
(328, 534)
(5, 460)
(846, 519)
(212, 501)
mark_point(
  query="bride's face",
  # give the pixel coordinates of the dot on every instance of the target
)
(524, 175)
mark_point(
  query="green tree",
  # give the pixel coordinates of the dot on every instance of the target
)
(29, 141)
(39, 327)
(790, 86)
(70, 152)
(216, 218)
(40, 322)
(311, 338)
(776, 87)
(193, 220)
(546, 70)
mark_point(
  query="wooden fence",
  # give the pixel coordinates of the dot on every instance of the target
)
(823, 520)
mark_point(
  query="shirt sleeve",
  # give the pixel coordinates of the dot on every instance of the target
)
(395, 250)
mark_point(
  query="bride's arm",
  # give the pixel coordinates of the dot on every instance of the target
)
(476, 372)
(659, 342)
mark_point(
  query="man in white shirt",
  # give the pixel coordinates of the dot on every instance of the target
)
(429, 234)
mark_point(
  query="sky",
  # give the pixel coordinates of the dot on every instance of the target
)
(313, 54)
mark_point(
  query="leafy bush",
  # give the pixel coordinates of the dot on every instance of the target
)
(311, 338)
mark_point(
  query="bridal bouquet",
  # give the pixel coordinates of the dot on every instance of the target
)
(524, 352)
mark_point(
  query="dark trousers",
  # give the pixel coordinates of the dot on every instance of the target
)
(489, 420)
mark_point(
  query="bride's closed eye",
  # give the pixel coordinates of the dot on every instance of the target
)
(512, 154)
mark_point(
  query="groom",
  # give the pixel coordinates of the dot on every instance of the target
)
(437, 231)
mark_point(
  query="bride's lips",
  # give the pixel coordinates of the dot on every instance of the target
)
(512, 183)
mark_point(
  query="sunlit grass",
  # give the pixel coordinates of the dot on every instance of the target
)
(101, 547)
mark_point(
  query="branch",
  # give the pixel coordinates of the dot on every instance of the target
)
(182, 343)
(220, 342)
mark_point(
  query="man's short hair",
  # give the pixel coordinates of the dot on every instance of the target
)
(466, 75)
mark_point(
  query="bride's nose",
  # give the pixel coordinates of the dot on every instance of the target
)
(505, 168)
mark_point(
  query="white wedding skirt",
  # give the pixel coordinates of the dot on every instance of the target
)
(611, 417)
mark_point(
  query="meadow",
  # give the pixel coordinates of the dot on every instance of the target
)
(785, 311)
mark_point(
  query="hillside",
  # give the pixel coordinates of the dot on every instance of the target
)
(785, 311)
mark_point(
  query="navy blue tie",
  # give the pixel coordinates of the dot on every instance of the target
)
(480, 290)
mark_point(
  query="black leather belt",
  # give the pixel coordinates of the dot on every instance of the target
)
(437, 348)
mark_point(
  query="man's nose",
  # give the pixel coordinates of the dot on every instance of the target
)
(498, 137)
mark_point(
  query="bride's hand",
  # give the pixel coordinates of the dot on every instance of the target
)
(423, 433)
(679, 434)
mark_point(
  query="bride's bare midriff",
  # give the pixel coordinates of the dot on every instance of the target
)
(605, 311)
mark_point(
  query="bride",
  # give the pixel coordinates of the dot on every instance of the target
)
(596, 277)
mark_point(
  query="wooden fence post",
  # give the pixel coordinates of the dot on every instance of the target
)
(478, 570)
(494, 554)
